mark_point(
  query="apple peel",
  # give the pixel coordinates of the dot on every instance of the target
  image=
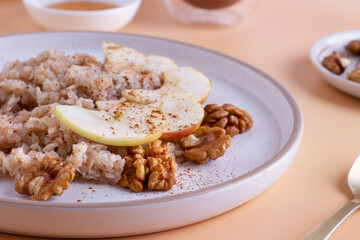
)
(183, 112)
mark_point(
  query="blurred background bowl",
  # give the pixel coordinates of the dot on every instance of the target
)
(213, 12)
(94, 20)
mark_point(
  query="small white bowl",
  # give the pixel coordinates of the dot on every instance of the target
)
(98, 20)
(336, 42)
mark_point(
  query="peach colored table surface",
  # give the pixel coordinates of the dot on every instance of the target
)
(276, 39)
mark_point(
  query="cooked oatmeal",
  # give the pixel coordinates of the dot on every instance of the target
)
(29, 91)
(31, 137)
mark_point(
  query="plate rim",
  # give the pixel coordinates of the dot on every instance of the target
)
(292, 142)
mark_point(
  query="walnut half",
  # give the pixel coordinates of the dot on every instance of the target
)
(354, 75)
(335, 63)
(150, 163)
(353, 47)
(162, 173)
(134, 173)
(44, 178)
(205, 143)
(231, 118)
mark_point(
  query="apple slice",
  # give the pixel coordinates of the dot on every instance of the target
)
(187, 79)
(183, 112)
(184, 79)
(127, 124)
(108, 104)
(142, 96)
(118, 58)
(155, 63)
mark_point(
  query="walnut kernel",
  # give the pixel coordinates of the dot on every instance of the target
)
(228, 117)
(353, 47)
(213, 144)
(134, 173)
(150, 163)
(354, 75)
(162, 173)
(45, 178)
(335, 63)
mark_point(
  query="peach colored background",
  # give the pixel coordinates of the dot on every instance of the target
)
(276, 39)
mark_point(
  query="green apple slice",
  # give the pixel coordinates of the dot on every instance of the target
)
(183, 112)
(127, 124)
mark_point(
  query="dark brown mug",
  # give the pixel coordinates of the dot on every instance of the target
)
(211, 4)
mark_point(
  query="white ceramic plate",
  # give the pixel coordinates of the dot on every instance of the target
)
(254, 161)
(336, 42)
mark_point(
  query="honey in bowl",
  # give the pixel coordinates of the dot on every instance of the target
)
(82, 6)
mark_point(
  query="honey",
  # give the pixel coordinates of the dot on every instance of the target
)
(82, 6)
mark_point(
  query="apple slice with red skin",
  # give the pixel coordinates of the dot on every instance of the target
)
(184, 114)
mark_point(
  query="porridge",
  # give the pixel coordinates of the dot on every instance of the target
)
(44, 153)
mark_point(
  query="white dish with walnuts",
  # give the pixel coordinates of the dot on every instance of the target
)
(336, 57)
(94, 158)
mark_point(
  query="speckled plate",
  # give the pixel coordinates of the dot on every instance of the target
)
(254, 161)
